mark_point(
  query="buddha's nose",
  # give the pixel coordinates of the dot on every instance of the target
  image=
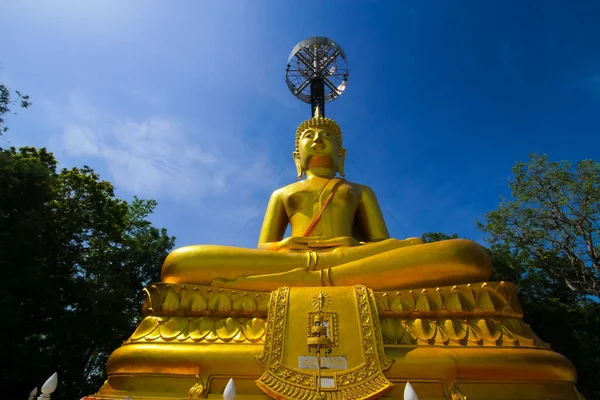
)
(318, 138)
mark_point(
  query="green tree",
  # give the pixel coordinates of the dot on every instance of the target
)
(554, 217)
(6, 102)
(430, 237)
(74, 259)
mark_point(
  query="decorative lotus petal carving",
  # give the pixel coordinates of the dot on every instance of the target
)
(244, 303)
(489, 301)
(402, 304)
(171, 301)
(482, 314)
(147, 326)
(494, 298)
(221, 330)
(227, 329)
(220, 303)
(254, 329)
(171, 328)
(458, 301)
(199, 328)
(426, 303)
(168, 300)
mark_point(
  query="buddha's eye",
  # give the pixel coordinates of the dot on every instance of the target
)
(308, 136)
(328, 134)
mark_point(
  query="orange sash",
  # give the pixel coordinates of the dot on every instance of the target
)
(317, 216)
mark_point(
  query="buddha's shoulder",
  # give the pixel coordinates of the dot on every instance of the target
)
(363, 189)
(359, 186)
(286, 190)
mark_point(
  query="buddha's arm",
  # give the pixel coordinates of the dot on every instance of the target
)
(274, 224)
(370, 217)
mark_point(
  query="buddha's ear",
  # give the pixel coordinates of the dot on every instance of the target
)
(299, 169)
(341, 161)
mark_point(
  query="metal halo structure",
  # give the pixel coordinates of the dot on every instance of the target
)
(317, 72)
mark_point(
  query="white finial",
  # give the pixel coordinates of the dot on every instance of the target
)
(409, 393)
(229, 392)
(32, 394)
(49, 387)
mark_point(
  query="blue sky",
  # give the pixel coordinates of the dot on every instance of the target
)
(185, 102)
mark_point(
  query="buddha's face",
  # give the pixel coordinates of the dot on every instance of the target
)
(318, 142)
(319, 147)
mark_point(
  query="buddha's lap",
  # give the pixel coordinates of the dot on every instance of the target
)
(202, 264)
(210, 255)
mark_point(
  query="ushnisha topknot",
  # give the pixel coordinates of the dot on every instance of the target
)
(319, 121)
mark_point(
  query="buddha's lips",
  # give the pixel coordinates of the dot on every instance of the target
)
(317, 146)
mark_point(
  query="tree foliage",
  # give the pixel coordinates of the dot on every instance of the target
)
(555, 217)
(73, 259)
(6, 102)
(430, 237)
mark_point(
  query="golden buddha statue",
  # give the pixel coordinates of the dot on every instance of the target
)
(339, 236)
(390, 311)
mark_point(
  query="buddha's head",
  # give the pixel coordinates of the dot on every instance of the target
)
(319, 145)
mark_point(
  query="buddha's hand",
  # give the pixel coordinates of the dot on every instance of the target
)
(289, 244)
(344, 241)
(300, 243)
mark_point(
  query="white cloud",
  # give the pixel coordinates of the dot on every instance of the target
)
(81, 140)
(156, 157)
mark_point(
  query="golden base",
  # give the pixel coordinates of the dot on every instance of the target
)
(478, 373)
(454, 342)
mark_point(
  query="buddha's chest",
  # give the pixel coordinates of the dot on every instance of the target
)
(309, 200)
